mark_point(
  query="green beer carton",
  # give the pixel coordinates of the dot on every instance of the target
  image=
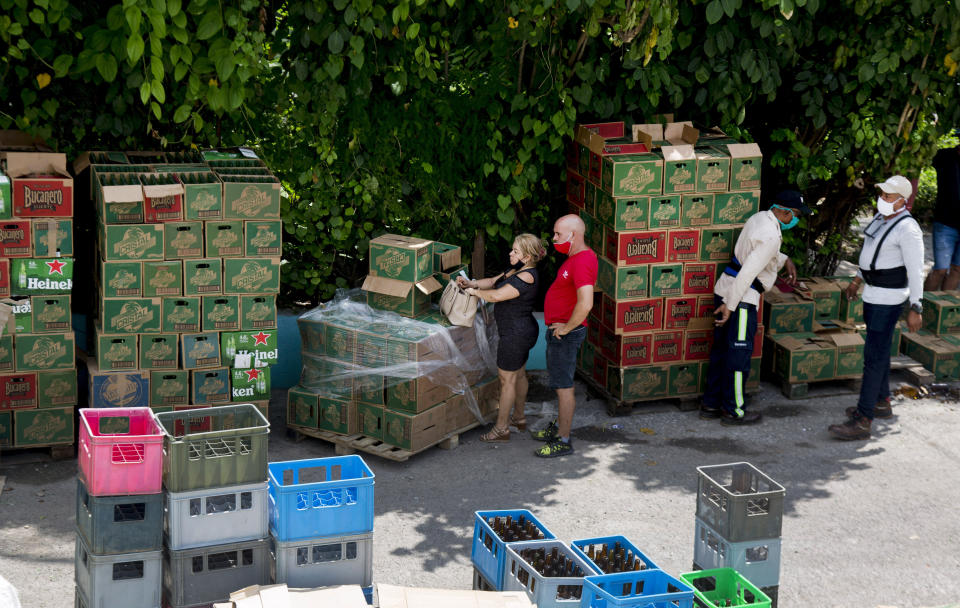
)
(131, 315)
(338, 416)
(224, 239)
(161, 279)
(182, 240)
(341, 343)
(679, 169)
(406, 299)
(159, 351)
(787, 313)
(22, 310)
(696, 210)
(263, 238)
(52, 237)
(250, 197)
(826, 297)
(939, 354)
(666, 280)
(402, 258)
(202, 276)
(210, 386)
(132, 242)
(249, 384)
(116, 352)
(258, 312)
(745, 166)
(369, 388)
(445, 256)
(180, 314)
(941, 312)
(415, 431)
(203, 196)
(632, 174)
(251, 275)
(260, 345)
(716, 244)
(302, 408)
(683, 379)
(51, 314)
(43, 427)
(713, 169)
(638, 383)
(6, 352)
(169, 388)
(6, 418)
(849, 354)
(370, 420)
(119, 198)
(41, 276)
(200, 350)
(6, 201)
(626, 213)
(220, 313)
(42, 352)
(665, 211)
(121, 279)
(800, 359)
(735, 207)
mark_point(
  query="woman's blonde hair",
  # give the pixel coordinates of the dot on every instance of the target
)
(530, 245)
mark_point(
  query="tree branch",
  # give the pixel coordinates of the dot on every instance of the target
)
(523, 51)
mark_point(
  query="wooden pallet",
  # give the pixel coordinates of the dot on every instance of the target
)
(834, 387)
(916, 373)
(351, 444)
(620, 407)
(56, 451)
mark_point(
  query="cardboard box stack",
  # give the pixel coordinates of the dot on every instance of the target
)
(38, 379)
(937, 345)
(186, 277)
(663, 207)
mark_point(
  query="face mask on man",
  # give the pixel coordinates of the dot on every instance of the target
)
(885, 207)
(564, 247)
(787, 225)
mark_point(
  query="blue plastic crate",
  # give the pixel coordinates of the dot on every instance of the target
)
(368, 594)
(489, 553)
(320, 497)
(645, 588)
(580, 547)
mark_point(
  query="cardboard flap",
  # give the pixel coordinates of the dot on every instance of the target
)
(652, 131)
(678, 153)
(790, 343)
(20, 164)
(162, 190)
(845, 339)
(388, 287)
(582, 135)
(699, 323)
(596, 143)
(429, 285)
(607, 130)
(743, 150)
(450, 258)
(391, 596)
(122, 194)
(398, 240)
(681, 133)
(11, 138)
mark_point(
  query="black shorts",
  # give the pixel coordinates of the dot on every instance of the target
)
(515, 344)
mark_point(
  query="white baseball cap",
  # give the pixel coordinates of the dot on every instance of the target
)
(897, 184)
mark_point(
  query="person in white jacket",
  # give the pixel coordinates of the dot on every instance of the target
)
(756, 262)
(891, 265)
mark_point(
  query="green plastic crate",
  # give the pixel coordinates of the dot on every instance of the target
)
(214, 447)
(724, 587)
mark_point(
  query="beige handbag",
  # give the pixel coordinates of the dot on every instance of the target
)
(459, 307)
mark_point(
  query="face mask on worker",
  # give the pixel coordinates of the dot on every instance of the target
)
(564, 247)
(788, 225)
(885, 207)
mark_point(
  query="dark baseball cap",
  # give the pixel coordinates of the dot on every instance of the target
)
(791, 199)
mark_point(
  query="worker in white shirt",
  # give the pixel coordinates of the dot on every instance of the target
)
(756, 262)
(891, 265)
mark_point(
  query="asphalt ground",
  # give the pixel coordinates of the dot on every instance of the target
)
(866, 524)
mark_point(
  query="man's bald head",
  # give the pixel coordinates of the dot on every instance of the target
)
(569, 229)
(570, 223)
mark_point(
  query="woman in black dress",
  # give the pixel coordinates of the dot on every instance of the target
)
(514, 292)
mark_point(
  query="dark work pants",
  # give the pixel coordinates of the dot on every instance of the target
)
(881, 320)
(730, 359)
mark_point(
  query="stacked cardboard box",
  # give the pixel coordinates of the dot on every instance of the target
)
(937, 345)
(38, 380)
(663, 208)
(186, 276)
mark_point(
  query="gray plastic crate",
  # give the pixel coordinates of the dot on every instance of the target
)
(214, 447)
(740, 502)
(127, 580)
(195, 577)
(323, 561)
(543, 591)
(216, 516)
(757, 560)
(119, 524)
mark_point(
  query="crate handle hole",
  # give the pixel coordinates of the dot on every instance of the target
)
(114, 425)
(313, 474)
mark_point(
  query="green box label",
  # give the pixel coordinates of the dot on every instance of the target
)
(632, 174)
(302, 408)
(6, 418)
(716, 244)
(249, 201)
(261, 345)
(664, 211)
(201, 350)
(43, 427)
(59, 242)
(639, 382)
(180, 314)
(32, 276)
(203, 201)
(401, 262)
(220, 313)
(131, 315)
(246, 275)
(258, 312)
(116, 352)
(6, 353)
(51, 313)
(250, 384)
(39, 352)
(210, 385)
(169, 388)
(684, 379)
(224, 239)
(203, 276)
(121, 279)
(162, 279)
(138, 242)
(666, 280)
(697, 210)
(370, 419)
(159, 351)
(263, 238)
(735, 207)
(183, 240)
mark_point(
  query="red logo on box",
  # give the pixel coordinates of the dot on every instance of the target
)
(43, 196)
(627, 350)
(15, 239)
(697, 344)
(18, 391)
(683, 245)
(639, 315)
(667, 346)
(677, 312)
(698, 278)
(4, 278)
(634, 248)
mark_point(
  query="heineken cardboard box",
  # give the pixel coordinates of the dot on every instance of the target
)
(638, 383)
(406, 299)
(41, 352)
(116, 352)
(121, 279)
(16, 239)
(735, 207)
(41, 276)
(415, 431)
(787, 312)
(250, 197)
(745, 166)
(415, 395)
(161, 279)
(401, 258)
(200, 350)
(6, 421)
(716, 244)
(6, 200)
(224, 239)
(302, 408)
(665, 280)
(632, 316)
(337, 416)
(210, 386)
(260, 345)
(683, 245)
(635, 248)
(632, 174)
(18, 391)
(370, 420)
(698, 278)
(6, 352)
(51, 314)
(622, 282)
(202, 196)
(626, 350)
(802, 358)
(159, 352)
(4, 278)
(258, 312)
(696, 210)
(664, 212)
(182, 240)
(220, 313)
(667, 346)
(679, 169)
(202, 276)
(683, 379)
(131, 242)
(626, 213)
(251, 275)
(941, 312)
(939, 354)
(52, 426)
(576, 189)
(713, 169)
(169, 388)
(52, 237)
(264, 238)
(826, 296)
(118, 389)
(41, 185)
(131, 315)
(248, 384)
(180, 314)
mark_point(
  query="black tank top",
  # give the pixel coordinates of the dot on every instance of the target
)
(520, 309)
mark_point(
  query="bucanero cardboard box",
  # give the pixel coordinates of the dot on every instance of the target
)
(41, 185)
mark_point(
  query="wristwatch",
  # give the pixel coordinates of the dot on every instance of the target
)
(917, 308)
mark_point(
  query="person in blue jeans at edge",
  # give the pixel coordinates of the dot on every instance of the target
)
(756, 262)
(891, 265)
(946, 222)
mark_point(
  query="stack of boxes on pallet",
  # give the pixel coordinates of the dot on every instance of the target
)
(38, 379)
(119, 509)
(664, 208)
(738, 525)
(371, 369)
(321, 522)
(187, 273)
(937, 345)
(216, 503)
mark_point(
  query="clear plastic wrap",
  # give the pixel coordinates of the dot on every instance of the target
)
(351, 351)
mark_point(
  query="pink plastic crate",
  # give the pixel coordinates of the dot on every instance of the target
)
(120, 451)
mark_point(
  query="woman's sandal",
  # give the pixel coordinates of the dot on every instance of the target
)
(520, 423)
(495, 434)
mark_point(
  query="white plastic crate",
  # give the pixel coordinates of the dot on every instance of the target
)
(125, 580)
(323, 561)
(543, 591)
(204, 575)
(215, 516)
(757, 560)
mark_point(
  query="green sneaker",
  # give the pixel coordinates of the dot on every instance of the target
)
(546, 434)
(554, 448)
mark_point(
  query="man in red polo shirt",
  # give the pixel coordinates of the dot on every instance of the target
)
(565, 309)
